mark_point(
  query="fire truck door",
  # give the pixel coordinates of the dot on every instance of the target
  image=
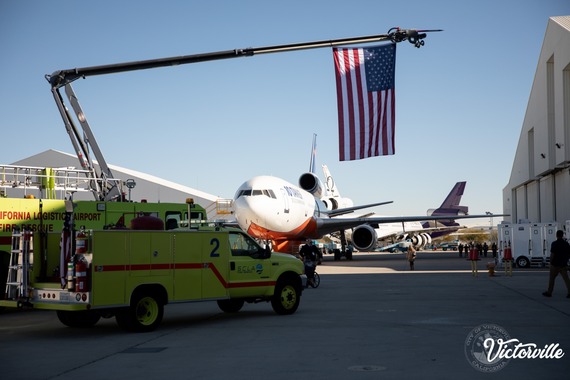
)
(161, 252)
(139, 253)
(247, 270)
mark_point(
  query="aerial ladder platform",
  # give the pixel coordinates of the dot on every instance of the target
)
(49, 183)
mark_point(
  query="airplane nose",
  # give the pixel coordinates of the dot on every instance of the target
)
(249, 209)
(243, 208)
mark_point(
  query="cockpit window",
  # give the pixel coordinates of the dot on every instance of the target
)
(249, 192)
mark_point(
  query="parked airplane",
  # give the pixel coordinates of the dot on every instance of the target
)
(275, 210)
(420, 234)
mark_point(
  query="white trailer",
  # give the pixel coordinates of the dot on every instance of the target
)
(543, 234)
(529, 242)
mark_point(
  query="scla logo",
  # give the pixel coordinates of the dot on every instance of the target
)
(250, 269)
(246, 269)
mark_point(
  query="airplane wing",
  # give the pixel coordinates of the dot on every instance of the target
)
(328, 225)
(347, 210)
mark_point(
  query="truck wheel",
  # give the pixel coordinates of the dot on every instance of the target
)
(230, 306)
(79, 319)
(287, 296)
(144, 314)
(523, 262)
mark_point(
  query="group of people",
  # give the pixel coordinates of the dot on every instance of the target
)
(559, 257)
(482, 249)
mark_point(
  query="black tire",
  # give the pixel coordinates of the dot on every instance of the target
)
(144, 314)
(523, 262)
(231, 305)
(336, 255)
(316, 280)
(286, 296)
(79, 319)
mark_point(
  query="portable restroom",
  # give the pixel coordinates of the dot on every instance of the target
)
(518, 238)
(541, 237)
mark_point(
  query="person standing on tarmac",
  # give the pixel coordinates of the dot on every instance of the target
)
(411, 256)
(485, 249)
(559, 256)
(309, 254)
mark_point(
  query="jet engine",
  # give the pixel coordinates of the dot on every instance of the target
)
(311, 183)
(364, 238)
(334, 203)
(421, 240)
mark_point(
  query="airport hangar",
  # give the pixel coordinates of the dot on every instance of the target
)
(148, 187)
(539, 186)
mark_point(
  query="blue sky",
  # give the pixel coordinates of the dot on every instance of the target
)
(460, 99)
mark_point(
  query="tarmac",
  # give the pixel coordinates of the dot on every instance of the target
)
(370, 318)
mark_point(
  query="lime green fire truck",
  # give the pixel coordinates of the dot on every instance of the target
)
(48, 215)
(133, 274)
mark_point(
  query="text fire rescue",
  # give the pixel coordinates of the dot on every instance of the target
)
(20, 218)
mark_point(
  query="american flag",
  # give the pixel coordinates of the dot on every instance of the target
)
(365, 97)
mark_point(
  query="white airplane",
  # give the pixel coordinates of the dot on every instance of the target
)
(272, 209)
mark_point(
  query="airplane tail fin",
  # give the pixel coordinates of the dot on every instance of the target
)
(329, 182)
(313, 154)
(450, 205)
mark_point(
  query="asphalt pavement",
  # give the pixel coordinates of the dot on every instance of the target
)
(370, 318)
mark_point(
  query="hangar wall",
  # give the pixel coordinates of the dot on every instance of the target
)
(539, 185)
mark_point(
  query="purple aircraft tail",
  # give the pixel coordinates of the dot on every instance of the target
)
(450, 205)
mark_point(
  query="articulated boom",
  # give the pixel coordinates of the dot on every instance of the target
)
(103, 187)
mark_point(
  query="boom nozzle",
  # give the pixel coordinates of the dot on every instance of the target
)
(415, 37)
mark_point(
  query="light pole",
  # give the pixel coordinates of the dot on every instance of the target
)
(131, 185)
(490, 219)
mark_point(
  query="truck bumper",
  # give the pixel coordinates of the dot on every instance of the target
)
(19, 304)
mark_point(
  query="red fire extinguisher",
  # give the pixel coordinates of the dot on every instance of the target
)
(81, 284)
(81, 242)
